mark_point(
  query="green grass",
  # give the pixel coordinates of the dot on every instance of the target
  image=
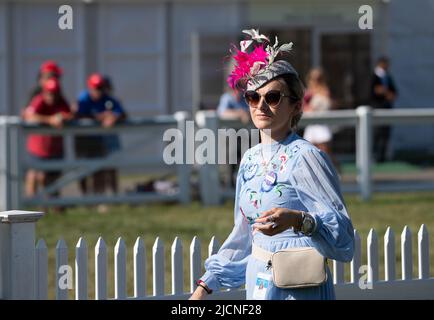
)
(168, 221)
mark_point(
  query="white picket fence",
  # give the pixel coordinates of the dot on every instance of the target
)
(20, 259)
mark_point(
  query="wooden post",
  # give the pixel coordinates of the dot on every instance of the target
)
(17, 254)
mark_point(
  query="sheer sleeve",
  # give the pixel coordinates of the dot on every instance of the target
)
(316, 183)
(227, 268)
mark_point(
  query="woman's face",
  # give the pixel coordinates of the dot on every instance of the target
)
(276, 118)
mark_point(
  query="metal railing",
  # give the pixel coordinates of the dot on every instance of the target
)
(13, 164)
(363, 119)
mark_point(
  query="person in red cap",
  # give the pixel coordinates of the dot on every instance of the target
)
(97, 103)
(50, 108)
(47, 70)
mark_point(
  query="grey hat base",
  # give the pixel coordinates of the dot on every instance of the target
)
(276, 69)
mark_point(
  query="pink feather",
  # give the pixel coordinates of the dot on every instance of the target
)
(245, 65)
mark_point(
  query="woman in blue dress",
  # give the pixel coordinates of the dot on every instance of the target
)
(287, 190)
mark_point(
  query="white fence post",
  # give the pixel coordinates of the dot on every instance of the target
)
(158, 267)
(5, 165)
(423, 252)
(139, 268)
(406, 254)
(177, 267)
(120, 270)
(63, 278)
(41, 264)
(338, 272)
(17, 258)
(355, 263)
(81, 270)
(389, 255)
(372, 243)
(100, 270)
(364, 150)
(213, 246)
(184, 169)
(195, 262)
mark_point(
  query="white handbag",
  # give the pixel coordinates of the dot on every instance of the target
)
(294, 267)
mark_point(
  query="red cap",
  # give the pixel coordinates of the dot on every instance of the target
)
(51, 85)
(51, 66)
(95, 81)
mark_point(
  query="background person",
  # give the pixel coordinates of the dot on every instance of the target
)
(48, 107)
(383, 93)
(48, 69)
(95, 103)
(287, 193)
(316, 100)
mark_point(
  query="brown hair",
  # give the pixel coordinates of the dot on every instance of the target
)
(296, 91)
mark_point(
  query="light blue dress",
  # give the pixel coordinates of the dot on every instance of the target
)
(305, 180)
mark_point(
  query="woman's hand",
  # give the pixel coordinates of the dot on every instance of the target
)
(198, 294)
(278, 220)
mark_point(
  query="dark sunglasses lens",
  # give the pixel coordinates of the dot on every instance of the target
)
(272, 98)
(252, 97)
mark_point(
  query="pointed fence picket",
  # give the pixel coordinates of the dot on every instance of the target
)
(41, 264)
(406, 259)
(81, 270)
(385, 287)
(423, 252)
(389, 255)
(177, 267)
(120, 270)
(357, 258)
(62, 270)
(139, 268)
(100, 270)
(158, 267)
(195, 262)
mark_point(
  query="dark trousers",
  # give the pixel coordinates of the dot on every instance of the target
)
(381, 142)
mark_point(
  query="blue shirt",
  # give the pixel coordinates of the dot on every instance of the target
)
(229, 102)
(90, 108)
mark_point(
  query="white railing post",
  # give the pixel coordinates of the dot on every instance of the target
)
(5, 165)
(184, 169)
(364, 150)
(17, 258)
(210, 191)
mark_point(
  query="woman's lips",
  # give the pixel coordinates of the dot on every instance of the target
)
(263, 116)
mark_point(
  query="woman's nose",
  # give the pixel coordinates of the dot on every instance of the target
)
(262, 105)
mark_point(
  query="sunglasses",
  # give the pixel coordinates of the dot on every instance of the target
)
(272, 98)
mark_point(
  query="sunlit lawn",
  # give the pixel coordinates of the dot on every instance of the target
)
(168, 221)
